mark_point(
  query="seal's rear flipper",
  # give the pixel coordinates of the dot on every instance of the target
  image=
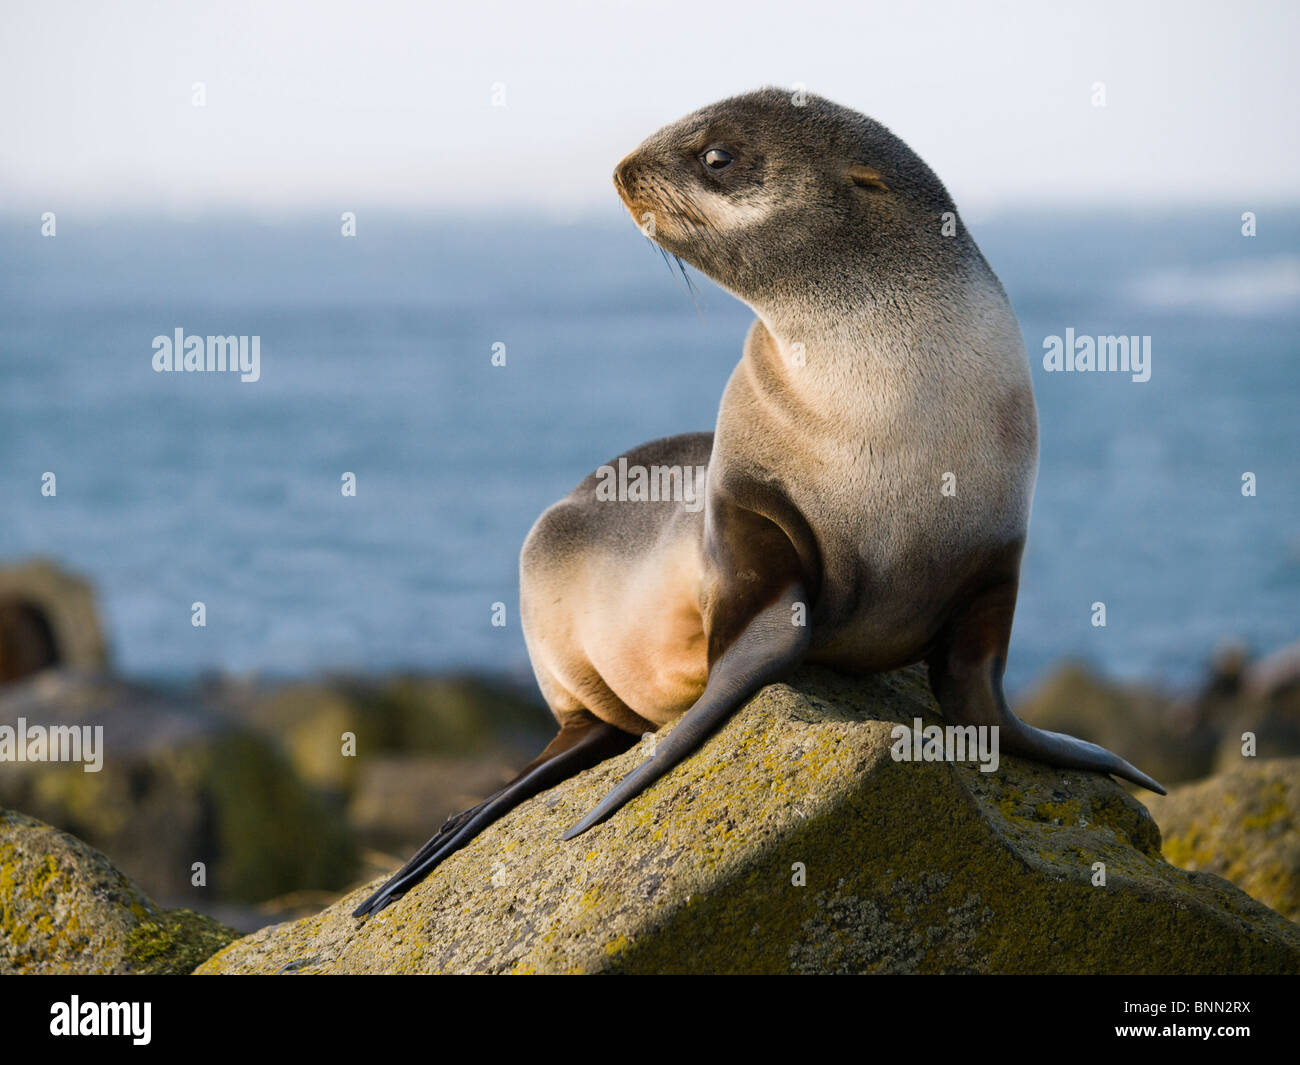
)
(576, 748)
(1056, 748)
(768, 647)
(966, 677)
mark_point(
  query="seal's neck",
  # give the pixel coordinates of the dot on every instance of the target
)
(885, 329)
(895, 340)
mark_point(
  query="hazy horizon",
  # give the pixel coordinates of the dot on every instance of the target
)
(324, 107)
(611, 212)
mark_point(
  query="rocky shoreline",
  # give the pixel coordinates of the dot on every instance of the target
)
(264, 810)
(795, 843)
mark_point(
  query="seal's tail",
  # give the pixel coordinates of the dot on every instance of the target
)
(573, 750)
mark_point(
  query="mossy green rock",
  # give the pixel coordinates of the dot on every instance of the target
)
(1243, 824)
(910, 867)
(178, 784)
(64, 908)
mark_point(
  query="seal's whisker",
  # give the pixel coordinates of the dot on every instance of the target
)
(690, 285)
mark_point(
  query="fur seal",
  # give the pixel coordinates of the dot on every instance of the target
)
(884, 364)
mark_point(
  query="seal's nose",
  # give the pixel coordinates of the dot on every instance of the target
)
(624, 175)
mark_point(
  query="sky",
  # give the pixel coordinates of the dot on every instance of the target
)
(351, 105)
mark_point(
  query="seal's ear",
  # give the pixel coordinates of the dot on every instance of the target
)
(867, 178)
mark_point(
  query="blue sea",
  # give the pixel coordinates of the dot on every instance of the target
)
(376, 359)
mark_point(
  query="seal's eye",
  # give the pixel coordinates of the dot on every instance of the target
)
(717, 159)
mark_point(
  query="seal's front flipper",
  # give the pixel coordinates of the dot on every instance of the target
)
(576, 748)
(769, 646)
(966, 677)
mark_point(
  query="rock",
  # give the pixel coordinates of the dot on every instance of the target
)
(308, 719)
(64, 908)
(1227, 668)
(1171, 741)
(178, 785)
(1268, 709)
(461, 715)
(47, 618)
(400, 800)
(1275, 673)
(408, 714)
(910, 867)
(1243, 824)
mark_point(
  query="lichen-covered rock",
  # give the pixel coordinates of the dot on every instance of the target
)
(905, 867)
(177, 784)
(48, 617)
(1243, 824)
(64, 908)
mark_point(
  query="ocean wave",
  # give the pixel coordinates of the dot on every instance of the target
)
(1238, 287)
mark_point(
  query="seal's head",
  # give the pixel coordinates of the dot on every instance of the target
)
(778, 193)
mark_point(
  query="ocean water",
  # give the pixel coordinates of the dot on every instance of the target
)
(376, 360)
